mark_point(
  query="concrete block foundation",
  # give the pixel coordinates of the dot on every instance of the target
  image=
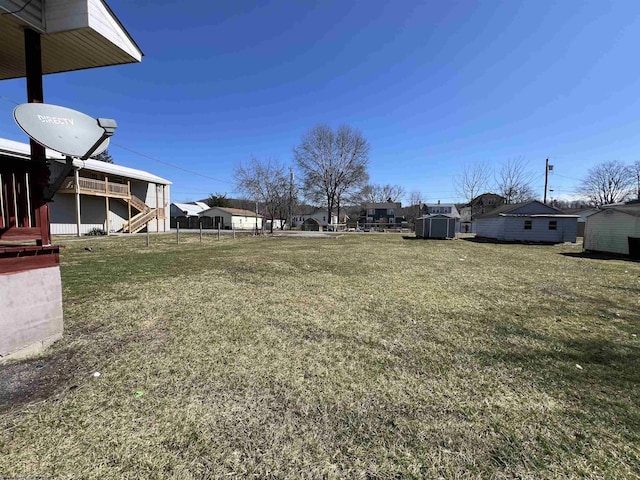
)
(30, 311)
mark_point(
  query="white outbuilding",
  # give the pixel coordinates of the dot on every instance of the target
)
(609, 229)
(233, 218)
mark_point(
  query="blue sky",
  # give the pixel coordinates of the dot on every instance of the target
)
(432, 85)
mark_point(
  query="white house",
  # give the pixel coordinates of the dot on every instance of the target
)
(232, 218)
(609, 229)
(319, 214)
(527, 222)
(102, 195)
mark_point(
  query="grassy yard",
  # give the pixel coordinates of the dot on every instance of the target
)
(361, 356)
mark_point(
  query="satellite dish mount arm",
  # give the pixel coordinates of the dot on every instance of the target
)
(51, 190)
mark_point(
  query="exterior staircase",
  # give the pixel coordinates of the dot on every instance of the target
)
(140, 220)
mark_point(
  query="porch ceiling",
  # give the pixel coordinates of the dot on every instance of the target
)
(92, 38)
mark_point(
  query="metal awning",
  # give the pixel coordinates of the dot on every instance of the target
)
(75, 35)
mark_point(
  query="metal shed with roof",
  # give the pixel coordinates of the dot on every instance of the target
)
(609, 229)
(437, 225)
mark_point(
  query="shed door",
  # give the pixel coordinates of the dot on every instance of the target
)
(439, 228)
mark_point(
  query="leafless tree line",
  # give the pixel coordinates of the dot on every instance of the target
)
(512, 180)
(333, 167)
(611, 182)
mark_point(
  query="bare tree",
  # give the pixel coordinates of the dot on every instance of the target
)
(267, 182)
(608, 182)
(382, 193)
(415, 200)
(634, 168)
(473, 180)
(514, 181)
(333, 164)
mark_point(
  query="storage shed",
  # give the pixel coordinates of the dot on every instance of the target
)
(609, 229)
(438, 225)
(527, 222)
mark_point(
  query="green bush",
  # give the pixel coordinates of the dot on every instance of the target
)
(96, 232)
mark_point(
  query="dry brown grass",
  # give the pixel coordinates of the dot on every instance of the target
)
(361, 356)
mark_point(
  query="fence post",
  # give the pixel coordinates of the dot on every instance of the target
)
(147, 234)
(200, 231)
(218, 231)
(178, 233)
(234, 231)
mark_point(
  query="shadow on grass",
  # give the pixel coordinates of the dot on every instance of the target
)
(506, 242)
(600, 256)
(597, 377)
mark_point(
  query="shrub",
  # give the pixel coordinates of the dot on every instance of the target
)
(96, 232)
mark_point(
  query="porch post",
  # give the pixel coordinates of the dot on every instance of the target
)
(164, 208)
(129, 203)
(76, 174)
(157, 219)
(106, 198)
(35, 94)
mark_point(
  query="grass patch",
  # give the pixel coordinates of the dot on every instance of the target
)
(357, 356)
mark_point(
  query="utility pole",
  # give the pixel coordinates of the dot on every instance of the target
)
(290, 219)
(257, 218)
(547, 169)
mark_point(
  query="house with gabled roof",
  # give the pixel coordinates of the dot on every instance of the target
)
(531, 221)
(227, 218)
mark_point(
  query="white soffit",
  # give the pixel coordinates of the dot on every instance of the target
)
(76, 34)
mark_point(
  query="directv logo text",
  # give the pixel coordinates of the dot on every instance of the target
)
(56, 120)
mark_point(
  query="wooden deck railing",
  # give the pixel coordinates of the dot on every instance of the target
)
(90, 186)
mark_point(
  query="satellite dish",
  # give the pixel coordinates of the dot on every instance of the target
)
(62, 129)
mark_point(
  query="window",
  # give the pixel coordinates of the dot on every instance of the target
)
(371, 211)
(391, 212)
(527, 224)
(553, 224)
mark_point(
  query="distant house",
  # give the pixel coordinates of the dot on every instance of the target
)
(231, 218)
(480, 205)
(583, 214)
(448, 210)
(381, 214)
(317, 213)
(187, 215)
(527, 222)
(609, 229)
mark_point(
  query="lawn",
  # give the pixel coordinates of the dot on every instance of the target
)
(356, 356)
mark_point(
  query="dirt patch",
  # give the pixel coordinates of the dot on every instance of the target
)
(37, 379)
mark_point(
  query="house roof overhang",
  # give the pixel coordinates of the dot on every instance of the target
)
(75, 35)
(10, 148)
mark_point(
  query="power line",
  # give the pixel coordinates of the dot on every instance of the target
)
(149, 157)
(186, 170)
(8, 100)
